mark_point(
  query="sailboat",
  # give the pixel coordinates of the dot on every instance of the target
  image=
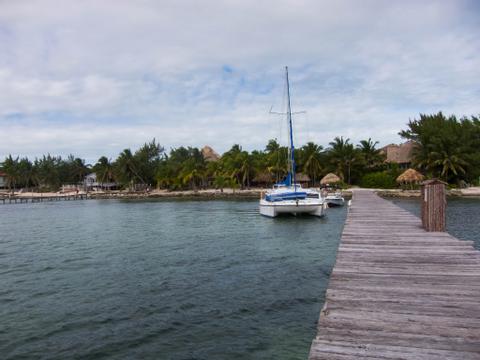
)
(288, 197)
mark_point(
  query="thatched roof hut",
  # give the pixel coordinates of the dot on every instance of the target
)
(263, 178)
(330, 178)
(302, 178)
(209, 154)
(401, 154)
(410, 176)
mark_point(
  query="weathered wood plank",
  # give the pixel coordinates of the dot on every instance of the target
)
(322, 349)
(404, 279)
(399, 292)
(391, 318)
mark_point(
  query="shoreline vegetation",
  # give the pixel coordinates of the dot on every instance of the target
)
(443, 147)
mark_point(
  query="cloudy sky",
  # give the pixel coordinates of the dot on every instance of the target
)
(95, 77)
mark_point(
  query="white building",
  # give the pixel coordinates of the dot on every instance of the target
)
(90, 182)
(3, 180)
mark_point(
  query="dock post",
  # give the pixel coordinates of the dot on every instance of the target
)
(433, 205)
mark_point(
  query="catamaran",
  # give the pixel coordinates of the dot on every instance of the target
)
(288, 197)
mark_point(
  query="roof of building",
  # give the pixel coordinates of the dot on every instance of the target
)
(401, 154)
(330, 178)
(301, 177)
(410, 176)
(263, 177)
(209, 154)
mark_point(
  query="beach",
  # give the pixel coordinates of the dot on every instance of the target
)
(226, 193)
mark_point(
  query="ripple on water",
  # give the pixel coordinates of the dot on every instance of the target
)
(168, 279)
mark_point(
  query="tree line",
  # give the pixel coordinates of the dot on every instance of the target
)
(186, 167)
(445, 147)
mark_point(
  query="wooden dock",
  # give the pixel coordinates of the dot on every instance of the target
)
(26, 199)
(399, 292)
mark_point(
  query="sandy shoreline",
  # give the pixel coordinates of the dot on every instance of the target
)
(226, 193)
(468, 192)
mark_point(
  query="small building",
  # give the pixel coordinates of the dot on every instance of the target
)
(302, 179)
(401, 154)
(410, 177)
(3, 180)
(90, 183)
(263, 179)
(209, 154)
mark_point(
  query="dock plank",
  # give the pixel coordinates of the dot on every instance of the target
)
(397, 291)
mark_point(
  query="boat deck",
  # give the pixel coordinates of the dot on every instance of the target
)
(397, 291)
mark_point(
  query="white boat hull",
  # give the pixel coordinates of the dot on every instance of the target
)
(273, 209)
(335, 201)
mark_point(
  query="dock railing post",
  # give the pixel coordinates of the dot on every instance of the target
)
(433, 197)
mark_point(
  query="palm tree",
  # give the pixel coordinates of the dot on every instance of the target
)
(25, 172)
(369, 153)
(11, 167)
(272, 147)
(147, 159)
(126, 168)
(191, 178)
(77, 168)
(246, 168)
(448, 163)
(104, 170)
(311, 159)
(342, 156)
(220, 182)
(47, 171)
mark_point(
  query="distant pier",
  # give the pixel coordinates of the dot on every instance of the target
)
(16, 199)
(397, 291)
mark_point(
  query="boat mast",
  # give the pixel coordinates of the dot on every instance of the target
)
(292, 148)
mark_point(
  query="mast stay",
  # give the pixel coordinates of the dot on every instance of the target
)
(291, 178)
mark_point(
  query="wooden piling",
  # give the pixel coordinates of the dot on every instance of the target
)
(433, 205)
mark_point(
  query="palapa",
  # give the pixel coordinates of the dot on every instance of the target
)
(263, 178)
(209, 154)
(301, 177)
(330, 178)
(410, 176)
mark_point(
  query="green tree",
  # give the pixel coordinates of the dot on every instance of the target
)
(25, 172)
(73, 170)
(11, 168)
(342, 156)
(104, 170)
(370, 155)
(125, 169)
(311, 158)
(277, 159)
(444, 146)
(147, 159)
(47, 172)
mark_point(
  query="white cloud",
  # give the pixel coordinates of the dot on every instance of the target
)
(95, 77)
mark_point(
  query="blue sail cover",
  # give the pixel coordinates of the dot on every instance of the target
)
(287, 181)
(288, 194)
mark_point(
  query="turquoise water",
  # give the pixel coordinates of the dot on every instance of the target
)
(463, 216)
(161, 280)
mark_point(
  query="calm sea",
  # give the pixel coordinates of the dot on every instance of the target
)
(161, 280)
